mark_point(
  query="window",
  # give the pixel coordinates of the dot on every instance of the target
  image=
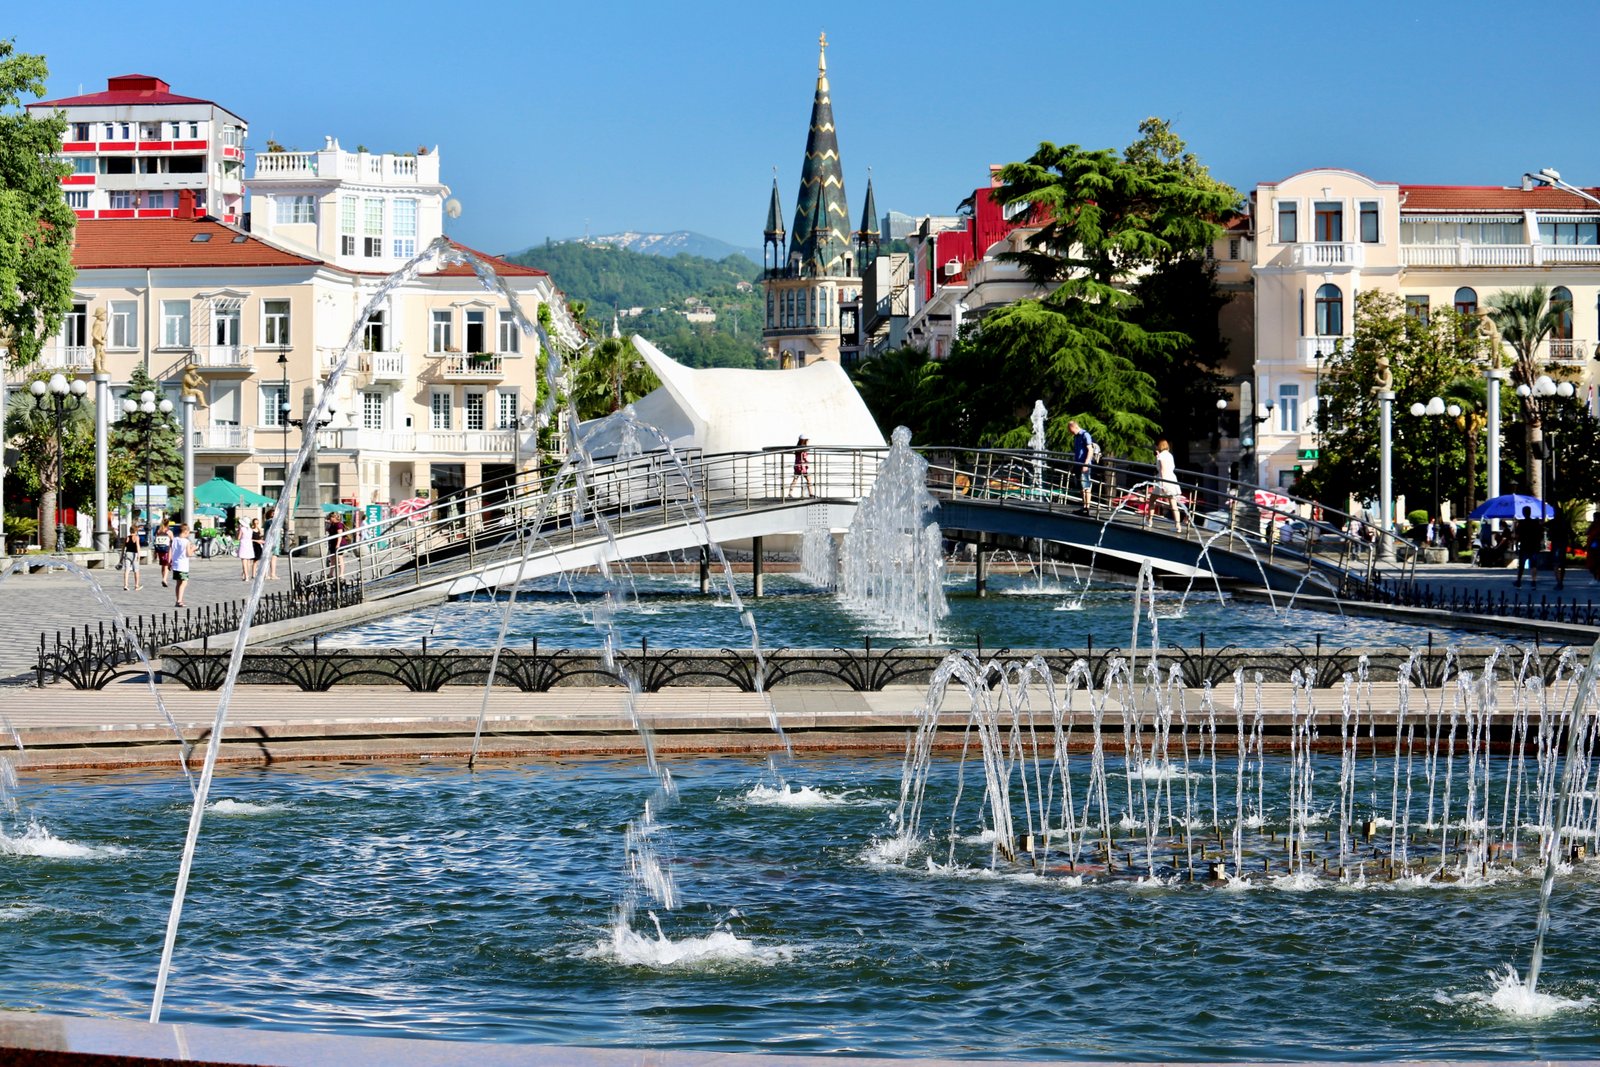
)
(124, 324)
(83, 165)
(80, 131)
(149, 131)
(194, 129)
(1330, 311)
(347, 225)
(506, 404)
(508, 333)
(476, 341)
(1417, 308)
(75, 326)
(1287, 227)
(372, 410)
(225, 325)
(1569, 233)
(474, 405)
(174, 324)
(272, 483)
(78, 200)
(1430, 232)
(1466, 301)
(375, 334)
(1233, 248)
(440, 336)
(1369, 222)
(372, 228)
(122, 200)
(439, 410)
(293, 209)
(275, 323)
(116, 165)
(1561, 311)
(274, 406)
(1288, 409)
(405, 228)
(1329, 220)
(156, 200)
(772, 309)
(177, 130)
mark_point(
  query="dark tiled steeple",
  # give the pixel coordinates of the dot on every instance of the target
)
(867, 238)
(772, 253)
(820, 239)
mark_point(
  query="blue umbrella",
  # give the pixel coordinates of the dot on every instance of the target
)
(1510, 505)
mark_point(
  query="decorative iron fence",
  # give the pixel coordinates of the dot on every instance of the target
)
(93, 656)
(1461, 602)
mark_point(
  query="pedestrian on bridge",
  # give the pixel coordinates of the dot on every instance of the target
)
(1165, 493)
(1083, 449)
(802, 468)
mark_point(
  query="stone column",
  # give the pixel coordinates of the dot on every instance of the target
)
(1496, 377)
(308, 508)
(102, 420)
(981, 568)
(187, 514)
(1386, 474)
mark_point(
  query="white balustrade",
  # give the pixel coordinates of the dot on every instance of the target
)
(67, 357)
(1566, 350)
(447, 442)
(223, 438)
(286, 164)
(479, 365)
(222, 355)
(1569, 253)
(1328, 254)
(1308, 348)
(384, 366)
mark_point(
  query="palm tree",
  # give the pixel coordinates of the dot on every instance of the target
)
(891, 385)
(1526, 317)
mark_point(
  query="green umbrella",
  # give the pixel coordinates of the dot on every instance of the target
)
(221, 493)
(210, 509)
(328, 509)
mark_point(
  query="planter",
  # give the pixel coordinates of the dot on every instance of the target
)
(1436, 555)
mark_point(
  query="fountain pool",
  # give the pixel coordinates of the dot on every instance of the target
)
(430, 901)
(1020, 612)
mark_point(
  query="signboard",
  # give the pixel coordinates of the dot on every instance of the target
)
(1310, 453)
(372, 527)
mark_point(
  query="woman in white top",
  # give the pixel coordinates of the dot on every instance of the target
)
(1166, 490)
(247, 553)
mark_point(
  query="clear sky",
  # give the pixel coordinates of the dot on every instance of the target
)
(657, 116)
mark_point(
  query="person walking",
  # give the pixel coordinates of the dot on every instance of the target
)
(271, 557)
(180, 554)
(1082, 460)
(1165, 492)
(335, 545)
(161, 547)
(1591, 544)
(258, 540)
(129, 562)
(1530, 542)
(246, 552)
(802, 469)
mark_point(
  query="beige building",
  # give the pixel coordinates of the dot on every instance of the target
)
(1322, 236)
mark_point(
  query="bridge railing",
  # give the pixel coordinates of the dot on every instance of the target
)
(505, 519)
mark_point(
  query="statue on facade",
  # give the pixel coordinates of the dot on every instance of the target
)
(97, 339)
(194, 385)
(1489, 330)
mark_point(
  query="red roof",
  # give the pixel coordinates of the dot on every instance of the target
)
(500, 266)
(125, 89)
(1491, 198)
(109, 244)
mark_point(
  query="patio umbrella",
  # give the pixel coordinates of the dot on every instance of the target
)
(407, 507)
(221, 493)
(1276, 506)
(211, 510)
(343, 509)
(1510, 505)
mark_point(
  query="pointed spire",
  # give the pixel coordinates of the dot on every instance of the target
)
(774, 212)
(821, 232)
(867, 236)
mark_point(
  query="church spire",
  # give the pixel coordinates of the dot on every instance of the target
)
(820, 236)
(772, 243)
(867, 237)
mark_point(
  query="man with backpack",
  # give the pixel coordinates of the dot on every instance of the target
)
(1084, 453)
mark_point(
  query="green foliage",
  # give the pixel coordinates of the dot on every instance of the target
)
(898, 388)
(42, 471)
(608, 377)
(1425, 360)
(129, 446)
(603, 280)
(1181, 299)
(35, 223)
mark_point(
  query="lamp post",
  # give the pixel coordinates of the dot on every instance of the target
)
(142, 415)
(308, 506)
(1434, 408)
(1540, 393)
(59, 397)
(283, 421)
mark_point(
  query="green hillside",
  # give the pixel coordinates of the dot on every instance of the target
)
(610, 280)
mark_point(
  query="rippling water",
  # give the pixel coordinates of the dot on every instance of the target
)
(431, 901)
(1020, 613)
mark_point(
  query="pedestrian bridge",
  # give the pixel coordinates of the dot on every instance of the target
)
(657, 504)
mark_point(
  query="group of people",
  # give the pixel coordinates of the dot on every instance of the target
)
(1162, 493)
(252, 551)
(171, 550)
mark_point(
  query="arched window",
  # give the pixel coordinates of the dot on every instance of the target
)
(1466, 301)
(1561, 304)
(1330, 311)
(772, 309)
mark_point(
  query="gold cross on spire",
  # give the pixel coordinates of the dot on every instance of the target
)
(822, 40)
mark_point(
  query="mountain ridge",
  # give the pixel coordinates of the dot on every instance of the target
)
(667, 244)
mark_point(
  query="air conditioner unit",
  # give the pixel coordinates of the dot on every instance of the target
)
(952, 268)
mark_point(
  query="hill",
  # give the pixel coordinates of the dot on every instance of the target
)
(612, 280)
(670, 244)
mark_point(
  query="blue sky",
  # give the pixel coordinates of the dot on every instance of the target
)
(659, 116)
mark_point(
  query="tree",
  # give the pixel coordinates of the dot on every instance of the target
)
(1425, 356)
(896, 388)
(35, 222)
(55, 476)
(1088, 348)
(608, 377)
(129, 450)
(1182, 297)
(1526, 317)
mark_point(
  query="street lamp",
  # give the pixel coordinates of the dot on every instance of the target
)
(141, 415)
(1433, 409)
(60, 397)
(1539, 394)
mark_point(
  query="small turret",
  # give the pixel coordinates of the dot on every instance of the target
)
(867, 237)
(772, 244)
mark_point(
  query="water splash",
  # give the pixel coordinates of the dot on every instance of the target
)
(891, 566)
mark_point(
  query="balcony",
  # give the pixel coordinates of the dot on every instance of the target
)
(1470, 255)
(384, 366)
(434, 442)
(224, 358)
(1323, 254)
(476, 367)
(1564, 352)
(1308, 350)
(217, 438)
(67, 358)
(286, 164)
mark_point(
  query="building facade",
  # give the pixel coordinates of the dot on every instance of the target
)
(1323, 236)
(140, 151)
